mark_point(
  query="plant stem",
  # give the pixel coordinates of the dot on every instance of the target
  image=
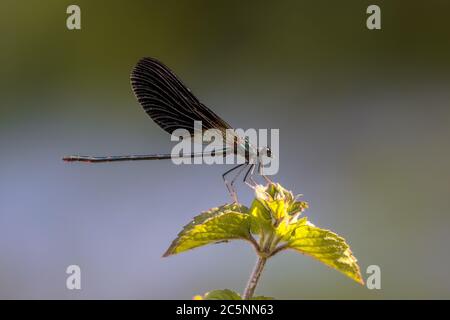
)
(254, 278)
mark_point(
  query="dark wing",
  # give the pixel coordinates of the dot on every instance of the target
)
(168, 101)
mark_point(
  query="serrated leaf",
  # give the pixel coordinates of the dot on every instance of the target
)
(278, 209)
(297, 207)
(225, 294)
(272, 206)
(224, 223)
(261, 219)
(286, 229)
(328, 248)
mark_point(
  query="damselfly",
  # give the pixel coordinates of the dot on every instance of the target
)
(173, 106)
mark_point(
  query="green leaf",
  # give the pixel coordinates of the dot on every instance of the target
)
(261, 220)
(224, 223)
(278, 209)
(225, 294)
(286, 229)
(273, 206)
(327, 247)
(297, 207)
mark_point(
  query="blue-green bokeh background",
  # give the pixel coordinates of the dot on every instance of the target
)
(364, 119)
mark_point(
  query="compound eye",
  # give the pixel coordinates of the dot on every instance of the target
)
(269, 152)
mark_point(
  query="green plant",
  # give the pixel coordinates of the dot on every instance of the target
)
(273, 223)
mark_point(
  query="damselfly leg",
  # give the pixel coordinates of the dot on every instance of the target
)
(260, 171)
(249, 177)
(230, 184)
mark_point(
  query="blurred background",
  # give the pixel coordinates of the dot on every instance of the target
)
(364, 119)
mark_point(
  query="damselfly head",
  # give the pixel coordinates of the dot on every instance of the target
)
(265, 152)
